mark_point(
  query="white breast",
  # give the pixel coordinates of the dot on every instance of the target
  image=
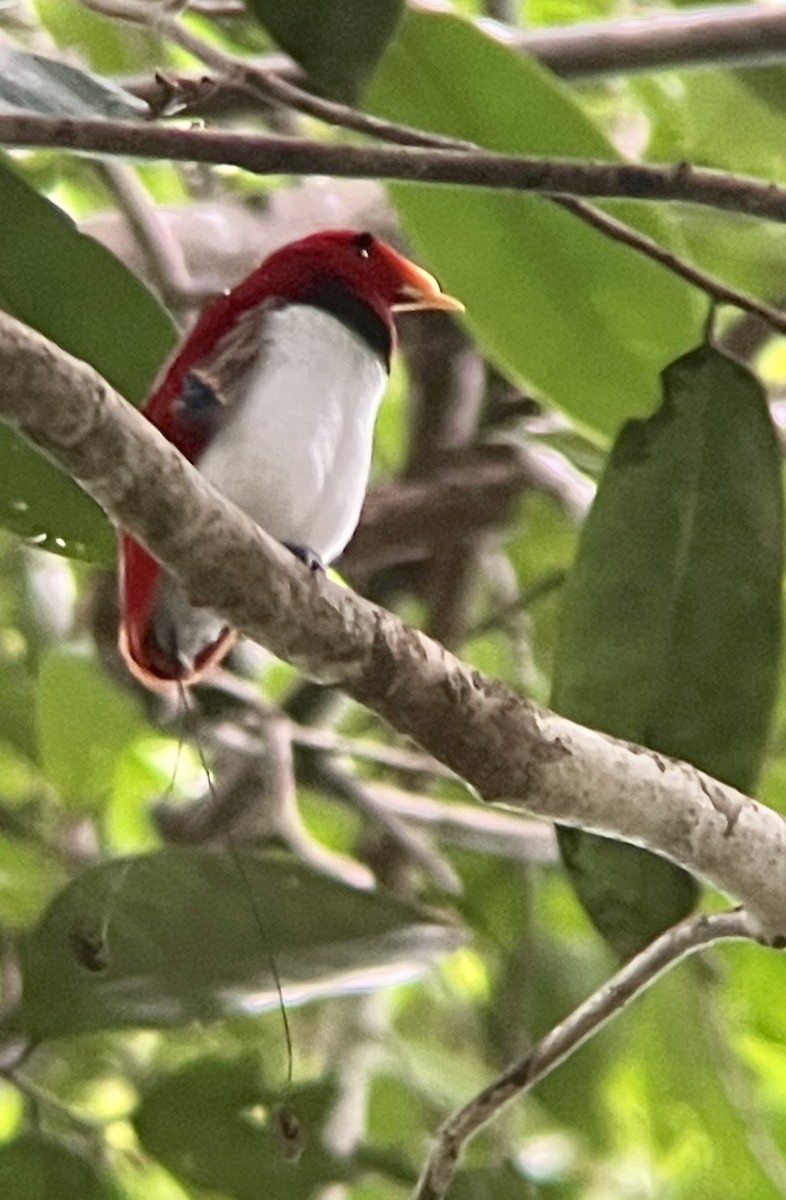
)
(295, 453)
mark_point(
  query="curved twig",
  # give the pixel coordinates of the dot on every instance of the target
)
(564, 1039)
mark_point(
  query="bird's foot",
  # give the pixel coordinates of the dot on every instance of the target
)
(307, 556)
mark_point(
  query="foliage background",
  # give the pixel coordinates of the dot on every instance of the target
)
(565, 338)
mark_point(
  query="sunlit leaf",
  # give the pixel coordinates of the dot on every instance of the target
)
(586, 321)
(696, 1101)
(29, 877)
(84, 722)
(34, 1167)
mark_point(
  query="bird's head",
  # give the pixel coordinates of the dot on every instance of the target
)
(360, 263)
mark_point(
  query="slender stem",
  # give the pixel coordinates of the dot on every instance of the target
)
(740, 35)
(735, 35)
(503, 172)
(564, 1039)
(162, 250)
(716, 289)
(269, 84)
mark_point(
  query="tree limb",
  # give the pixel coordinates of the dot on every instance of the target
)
(266, 83)
(510, 172)
(735, 35)
(738, 35)
(505, 746)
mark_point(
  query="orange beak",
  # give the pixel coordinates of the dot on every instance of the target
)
(420, 290)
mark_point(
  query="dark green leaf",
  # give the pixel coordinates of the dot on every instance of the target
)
(33, 1167)
(587, 322)
(31, 83)
(78, 294)
(337, 42)
(671, 625)
(212, 1125)
(180, 935)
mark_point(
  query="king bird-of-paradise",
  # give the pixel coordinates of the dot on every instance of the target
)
(273, 396)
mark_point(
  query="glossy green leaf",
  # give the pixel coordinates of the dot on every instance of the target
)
(84, 721)
(671, 626)
(181, 935)
(32, 83)
(34, 1167)
(337, 42)
(77, 293)
(587, 322)
(212, 1124)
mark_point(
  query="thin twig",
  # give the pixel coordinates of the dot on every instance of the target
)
(740, 35)
(716, 289)
(483, 830)
(218, 8)
(269, 84)
(584, 1022)
(395, 757)
(737, 35)
(499, 172)
(163, 252)
(415, 845)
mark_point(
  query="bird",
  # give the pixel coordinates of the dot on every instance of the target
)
(273, 396)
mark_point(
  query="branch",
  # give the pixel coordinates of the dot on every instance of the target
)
(584, 1022)
(505, 746)
(510, 172)
(266, 83)
(738, 35)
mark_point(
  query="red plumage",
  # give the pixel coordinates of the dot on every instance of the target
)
(365, 281)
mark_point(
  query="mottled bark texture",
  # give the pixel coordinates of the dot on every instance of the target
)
(505, 746)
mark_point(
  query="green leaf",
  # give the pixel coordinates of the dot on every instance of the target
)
(337, 42)
(500, 1182)
(32, 83)
(84, 722)
(29, 877)
(182, 935)
(671, 626)
(685, 125)
(77, 293)
(584, 320)
(33, 1167)
(110, 46)
(695, 1104)
(210, 1125)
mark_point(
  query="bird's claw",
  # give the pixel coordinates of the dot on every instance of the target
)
(307, 556)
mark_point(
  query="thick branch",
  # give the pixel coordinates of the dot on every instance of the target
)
(277, 155)
(508, 748)
(737, 35)
(741, 35)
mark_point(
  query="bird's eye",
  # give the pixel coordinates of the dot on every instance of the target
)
(363, 244)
